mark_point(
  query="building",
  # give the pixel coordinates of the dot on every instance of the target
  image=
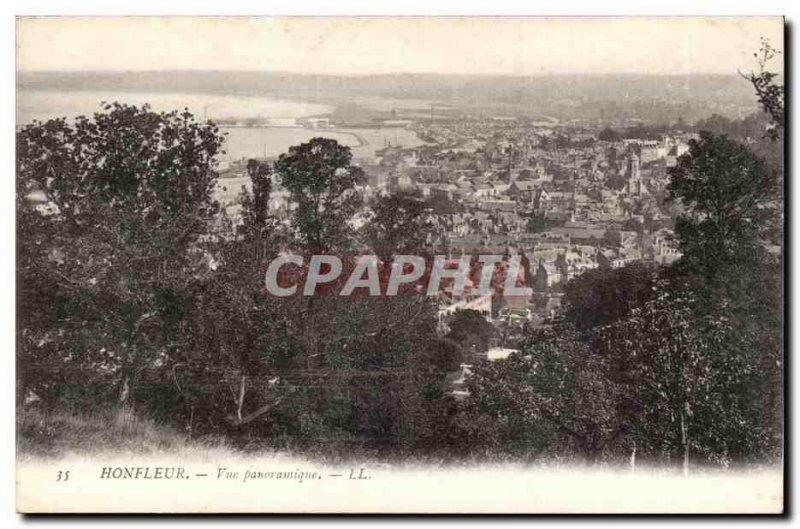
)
(634, 185)
(547, 276)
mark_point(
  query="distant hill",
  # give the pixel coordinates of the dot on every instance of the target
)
(650, 98)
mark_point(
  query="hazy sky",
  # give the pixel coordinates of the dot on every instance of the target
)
(346, 45)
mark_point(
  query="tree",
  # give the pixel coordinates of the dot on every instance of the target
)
(692, 380)
(608, 134)
(770, 94)
(125, 196)
(729, 198)
(606, 295)
(471, 331)
(257, 223)
(498, 420)
(555, 399)
(612, 237)
(536, 224)
(732, 266)
(439, 204)
(362, 373)
(752, 126)
(633, 225)
(322, 183)
(398, 224)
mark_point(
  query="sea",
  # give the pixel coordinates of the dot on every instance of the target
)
(241, 141)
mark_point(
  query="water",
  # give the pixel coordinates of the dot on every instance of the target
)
(241, 142)
(46, 104)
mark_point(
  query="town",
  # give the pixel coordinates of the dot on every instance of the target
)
(562, 199)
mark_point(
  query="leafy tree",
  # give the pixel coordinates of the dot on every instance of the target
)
(448, 356)
(602, 296)
(536, 224)
(470, 330)
(555, 399)
(633, 225)
(374, 378)
(728, 195)
(258, 223)
(126, 195)
(441, 205)
(322, 183)
(608, 134)
(691, 379)
(498, 420)
(752, 126)
(729, 281)
(398, 224)
(612, 237)
(646, 132)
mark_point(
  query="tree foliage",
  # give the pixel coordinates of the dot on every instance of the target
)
(322, 183)
(555, 399)
(126, 195)
(729, 198)
(257, 220)
(604, 295)
(471, 331)
(398, 224)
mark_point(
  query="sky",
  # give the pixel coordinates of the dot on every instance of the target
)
(377, 45)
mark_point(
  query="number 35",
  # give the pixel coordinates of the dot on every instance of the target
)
(63, 475)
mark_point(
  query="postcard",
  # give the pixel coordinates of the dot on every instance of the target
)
(400, 265)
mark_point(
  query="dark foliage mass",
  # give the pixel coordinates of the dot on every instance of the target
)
(132, 295)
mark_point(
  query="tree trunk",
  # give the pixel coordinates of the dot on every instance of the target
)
(685, 443)
(240, 400)
(124, 391)
(633, 457)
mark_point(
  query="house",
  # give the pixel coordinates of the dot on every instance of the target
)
(500, 188)
(523, 190)
(482, 190)
(572, 264)
(377, 175)
(399, 180)
(554, 218)
(553, 307)
(279, 202)
(458, 381)
(561, 200)
(589, 236)
(444, 190)
(665, 250)
(608, 258)
(547, 276)
(500, 353)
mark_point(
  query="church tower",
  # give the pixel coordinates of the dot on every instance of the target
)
(634, 186)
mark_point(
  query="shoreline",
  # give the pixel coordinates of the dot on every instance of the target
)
(362, 141)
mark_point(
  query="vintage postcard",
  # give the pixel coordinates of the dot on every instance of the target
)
(400, 265)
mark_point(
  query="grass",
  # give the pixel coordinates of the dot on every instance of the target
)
(56, 433)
